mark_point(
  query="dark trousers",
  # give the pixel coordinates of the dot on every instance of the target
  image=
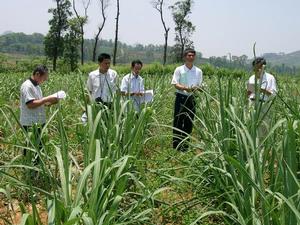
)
(36, 130)
(100, 101)
(184, 113)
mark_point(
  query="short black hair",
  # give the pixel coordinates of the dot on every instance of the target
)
(137, 61)
(41, 70)
(259, 60)
(103, 56)
(189, 50)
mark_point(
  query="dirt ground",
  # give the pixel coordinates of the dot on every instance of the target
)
(11, 213)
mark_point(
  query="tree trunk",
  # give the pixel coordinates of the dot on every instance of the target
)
(82, 44)
(54, 63)
(116, 35)
(181, 44)
(166, 47)
(181, 51)
(55, 55)
(95, 46)
(82, 27)
(160, 10)
(103, 7)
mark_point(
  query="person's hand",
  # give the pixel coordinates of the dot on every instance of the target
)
(266, 91)
(187, 89)
(50, 100)
(137, 94)
(196, 88)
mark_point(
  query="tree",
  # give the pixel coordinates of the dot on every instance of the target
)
(82, 20)
(54, 42)
(103, 6)
(116, 33)
(72, 40)
(158, 5)
(183, 27)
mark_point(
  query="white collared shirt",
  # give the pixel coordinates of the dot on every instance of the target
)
(187, 77)
(102, 85)
(132, 84)
(267, 81)
(29, 117)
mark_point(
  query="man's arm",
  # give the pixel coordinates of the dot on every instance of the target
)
(196, 88)
(266, 91)
(123, 93)
(176, 81)
(249, 93)
(124, 88)
(141, 88)
(49, 100)
(182, 87)
(89, 87)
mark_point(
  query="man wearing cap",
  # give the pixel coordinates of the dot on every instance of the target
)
(186, 79)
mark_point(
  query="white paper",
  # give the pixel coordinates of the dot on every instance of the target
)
(147, 97)
(84, 118)
(59, 95)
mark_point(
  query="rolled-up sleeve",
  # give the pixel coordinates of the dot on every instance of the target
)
(200, 78)
(273, 87)
(124, 85)
(27, 94)
(89, 84)
(142, 87)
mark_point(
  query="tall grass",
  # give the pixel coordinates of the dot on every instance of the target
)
(256, 176)
(98, 174)
(103, 189)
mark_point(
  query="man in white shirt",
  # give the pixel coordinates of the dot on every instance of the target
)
(265, 89)
(32, 102)
(266, 82)
(186, 79)
(132, 84)
(102, 83)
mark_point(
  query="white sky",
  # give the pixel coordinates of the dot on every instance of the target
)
(222, 26)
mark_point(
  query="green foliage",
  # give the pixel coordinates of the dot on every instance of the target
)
(54, 40)
(23, 65)
(148, 69)
(22, 43)
(183, 27)
(284, 59)
(71, 43)
(120, 169)
(93, 181)
(126, 53)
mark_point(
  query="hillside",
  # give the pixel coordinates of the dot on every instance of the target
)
(290, 59)
(18, 46)
(32, 45)
(20, 43)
